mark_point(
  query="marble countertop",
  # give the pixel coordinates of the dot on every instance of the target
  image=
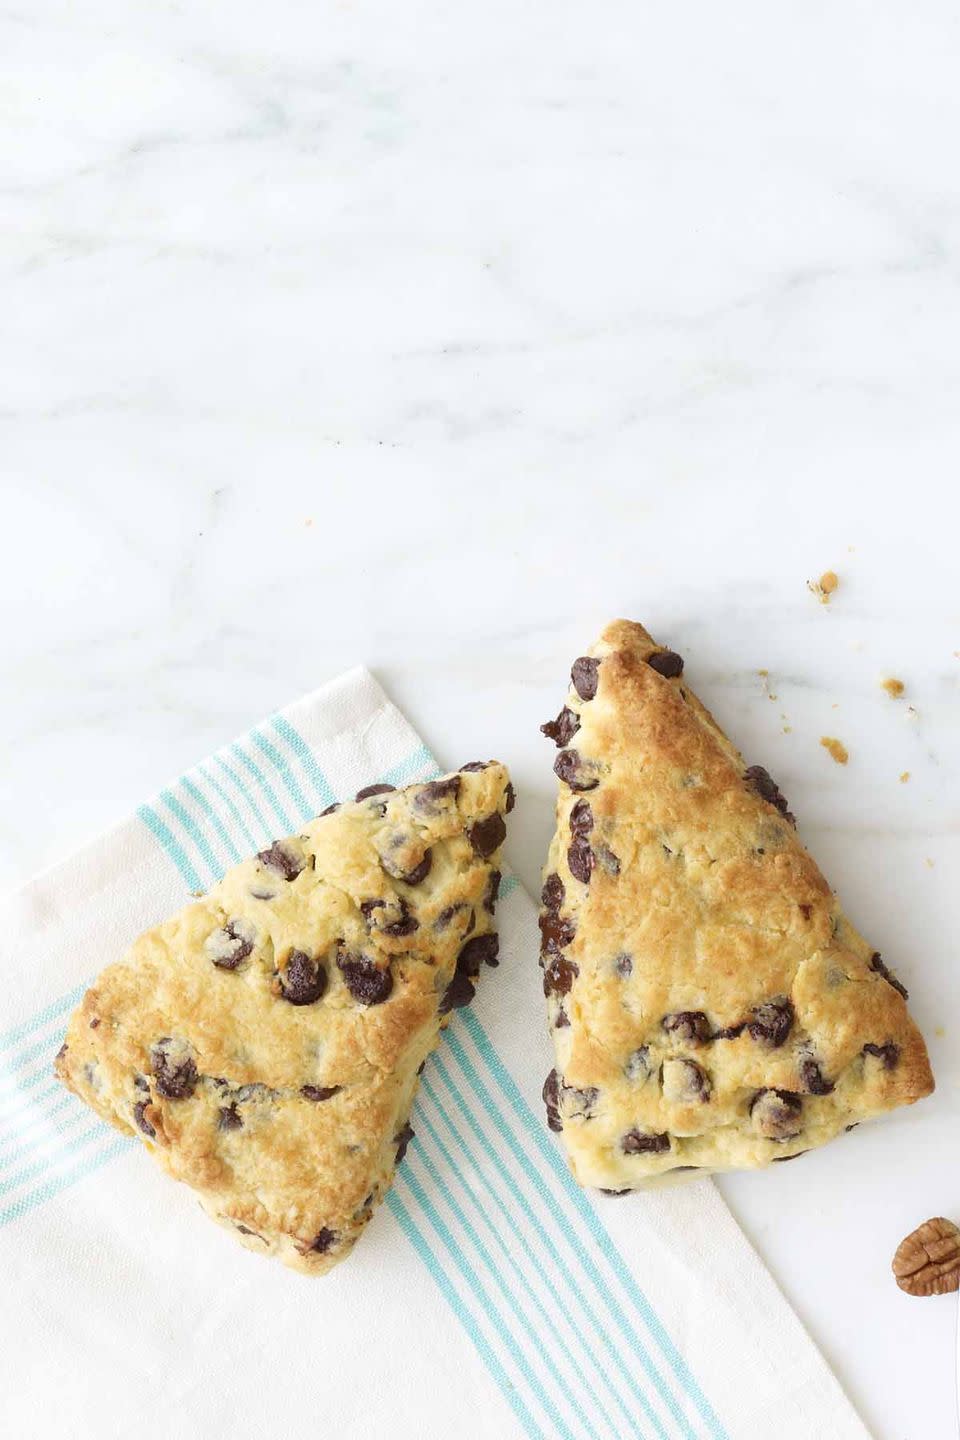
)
(434, 339)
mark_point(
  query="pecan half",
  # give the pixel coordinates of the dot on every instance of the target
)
(928, 1261)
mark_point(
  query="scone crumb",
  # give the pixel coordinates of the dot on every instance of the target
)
(835, 749)
(904, 776)
(825, 586)
(893, 687)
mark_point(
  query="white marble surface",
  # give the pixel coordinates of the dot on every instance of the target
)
(433, 339)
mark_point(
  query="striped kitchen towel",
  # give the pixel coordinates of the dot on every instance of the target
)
(490, 1296)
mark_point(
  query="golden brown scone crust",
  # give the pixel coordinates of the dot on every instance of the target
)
(711, 1005)
(265, 1043)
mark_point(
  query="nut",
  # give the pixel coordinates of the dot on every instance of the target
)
(928, 1261)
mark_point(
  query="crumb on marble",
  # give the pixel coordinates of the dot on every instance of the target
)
(904, 777)
(825, 586)
(912, 712)
(835, 749)
(893, 687)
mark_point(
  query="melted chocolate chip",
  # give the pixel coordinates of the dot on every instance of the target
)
(474, 765)
(691, 1026)
(559, 976)
(637, 1067)
(760, 780)
(771, 1022)
(581, 819)
(370, 790)
(330, 810)
(624, 965)
(493, 892)
(419, 872)
(446, 915)
(509, 797)
(777, 1114)
(562, 730)
(667, 663)
(640, 1142)
(580, 1102)
(281, 859)
(433, 798)
(553, 894)
(551, 1099)
(367, 907)
(562, 1019)
(402, 1140)
(230, 946)
(580, 859)
(889, 1054)
(229, 1118)
(813, 1079)
(60, 1053)
(405, 924)
(567, 767)
(877, 964)
(142, 1122)
(487, 834)
(584, 675)
(730, 1032)
(319, 1092)
(304, 980)
(324, 1241)
(616, 1192)
(556, 932)
(684, 1081)
(94, 1022)
(366, 982)
(174, 1069)
(782, 1159)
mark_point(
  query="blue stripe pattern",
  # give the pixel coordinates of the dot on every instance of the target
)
(513, 1245)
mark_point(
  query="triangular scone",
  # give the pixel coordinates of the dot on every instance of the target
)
(712, 1007)
(265, 1043)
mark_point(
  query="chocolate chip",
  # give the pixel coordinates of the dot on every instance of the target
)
(691, 1026)
(433, 798)
(806, 911)
(777, 1114)
(457, 995)
(684, 1081)
(877, 964)
(324, 1241)
(730, 1032)
(782, 1159)
(562, 730)
(580, 1102)
(245, 1230)
(142, 1122)
(280, 858)
(553, 894)
(229, 1118)
(370, 790)
(640, 1142)
(567, 767)
(580, 859)
(319, 1092)
(584, 676)
(509, 798)
(561, 1020)
(304, 980)
(446, 915)
(330, 810)
(493, 892)
(813, 1079)
(475, 765)
(402, 1140)
(364, 979)
(419, 872)
(581, 819)
(617, 1192)
(487, 834)
(607, 861)
(762, 783)
(367, 907)
(482, 949)
(556, 932)
(551, 1099)
(559, 976)
(667, 663)
(637, 1067)
(771, 1022)
(405, 924)
(143, 1084)
(94, 1022)
(230, 946)
(60, 1053)
(174, 1069)
(889, 1054)
(624, 965)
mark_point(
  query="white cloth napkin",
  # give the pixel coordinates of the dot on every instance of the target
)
(490, 1296)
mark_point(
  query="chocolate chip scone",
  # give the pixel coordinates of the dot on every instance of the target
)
(265, 1043)
(712, 1007)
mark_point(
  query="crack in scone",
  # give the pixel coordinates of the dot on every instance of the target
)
(706, 992)
(266, 1042)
